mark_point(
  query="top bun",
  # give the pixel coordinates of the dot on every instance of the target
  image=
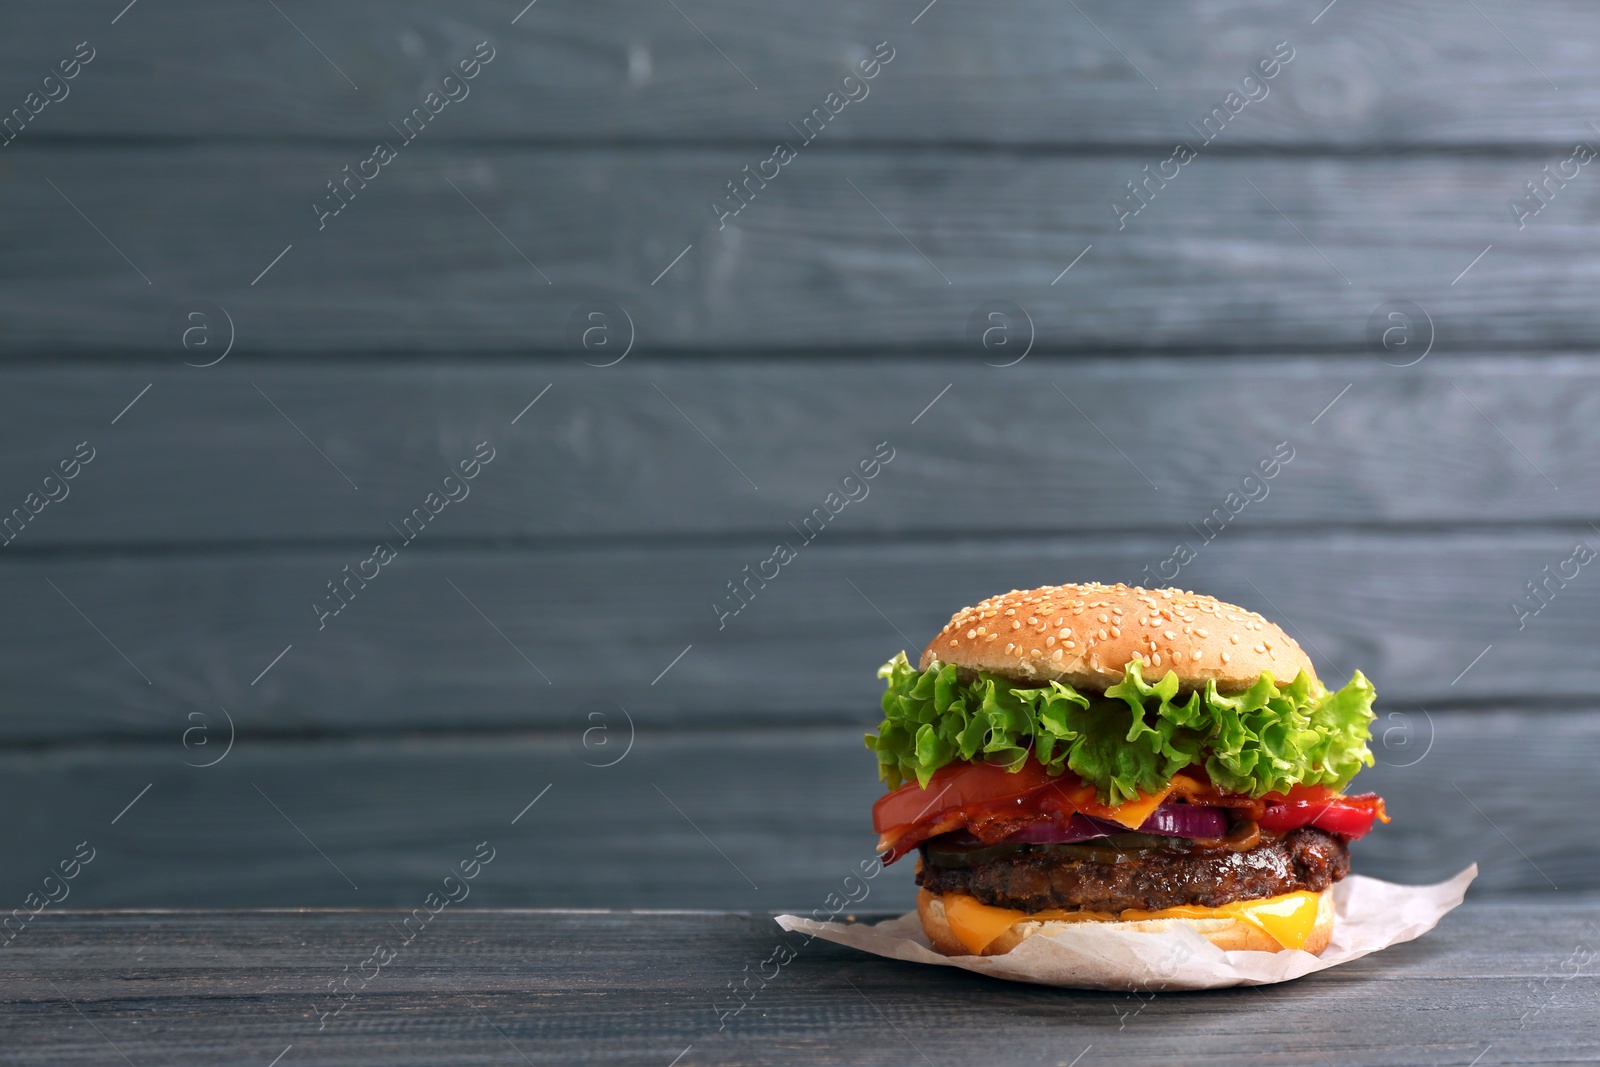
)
(1084, 635)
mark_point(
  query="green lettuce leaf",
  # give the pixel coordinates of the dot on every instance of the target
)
(1131, 740)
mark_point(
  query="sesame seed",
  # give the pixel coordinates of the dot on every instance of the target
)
(1104, 617)
(1169, 635)
(1155, 659)
(1056, 656)
(1009, 646)
(1260, 648)
(1049, 641)
(991, 637)
(1196, 655)
(1202, 633)
(1116, 631)
(1226, 657)
(972, 633)
(1017, 625)
(1233, 639)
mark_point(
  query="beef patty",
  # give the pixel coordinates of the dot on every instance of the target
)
(1148, 879)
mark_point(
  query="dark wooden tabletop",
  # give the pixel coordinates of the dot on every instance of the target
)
(1512, 980)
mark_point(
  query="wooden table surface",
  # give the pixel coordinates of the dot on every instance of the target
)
(1502, 981)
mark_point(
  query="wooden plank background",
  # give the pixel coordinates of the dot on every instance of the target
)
(1399, 75)
(166, 600)
(475, 638)
(810, 263)
(1426, 446)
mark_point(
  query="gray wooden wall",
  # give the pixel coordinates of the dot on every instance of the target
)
(1340, 268)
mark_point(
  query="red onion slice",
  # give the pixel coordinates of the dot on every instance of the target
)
(1186, 820)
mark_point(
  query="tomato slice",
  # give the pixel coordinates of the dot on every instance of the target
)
(1349, 817)
(957, 785)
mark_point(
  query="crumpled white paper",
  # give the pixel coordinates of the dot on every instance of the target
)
(1369, 915)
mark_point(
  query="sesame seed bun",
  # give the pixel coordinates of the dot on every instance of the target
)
(1228, 934)
(1084, 635)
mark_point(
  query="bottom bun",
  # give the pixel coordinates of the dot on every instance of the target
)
(1228, 934)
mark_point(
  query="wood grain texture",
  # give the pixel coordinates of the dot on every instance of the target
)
(1364, 74)
(466, 638)
(409, 265)
(211, 457)
(731, 819)
(595, 987)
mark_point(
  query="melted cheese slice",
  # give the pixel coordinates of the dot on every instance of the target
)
(1134, 813)
(1287, 919)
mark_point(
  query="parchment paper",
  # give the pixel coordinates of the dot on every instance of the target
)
(1369, 915)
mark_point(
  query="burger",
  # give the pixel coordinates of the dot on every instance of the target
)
(1139, 758)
